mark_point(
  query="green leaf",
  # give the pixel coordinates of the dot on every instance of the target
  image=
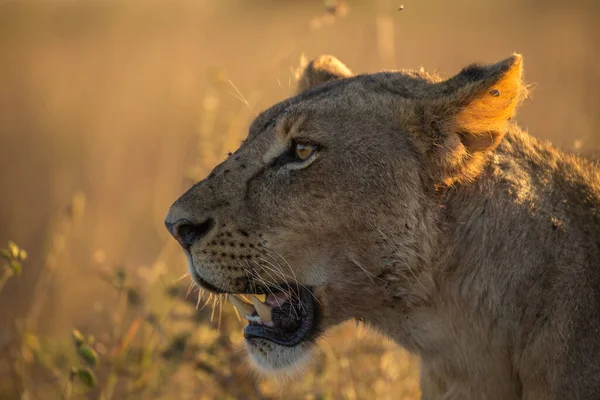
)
(13, 249)
(16, 267)
(86, 376)
(88, 355)
(77, 337)
(4, 253)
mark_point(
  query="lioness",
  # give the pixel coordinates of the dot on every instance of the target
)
(414, 204)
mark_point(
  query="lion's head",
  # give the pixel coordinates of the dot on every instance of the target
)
(329, 206)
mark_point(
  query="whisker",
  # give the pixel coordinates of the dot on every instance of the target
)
(268, 284)
(206, 302)
(220, 313)
(370, 275)
(237, 314)
(200, 297)
(280, 272)
(191, 286)
(212, 314)
(400, 256)
(267, 269)
(280, 288)
(294, 294)
(288, 265)
(246, 272)
(254, 276)
(186, 275)
(292, 270)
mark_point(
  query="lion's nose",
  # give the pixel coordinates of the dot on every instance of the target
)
(187, 232)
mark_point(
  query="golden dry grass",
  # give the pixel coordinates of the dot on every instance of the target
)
(110, 110)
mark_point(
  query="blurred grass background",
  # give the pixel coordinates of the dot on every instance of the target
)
(109, 110)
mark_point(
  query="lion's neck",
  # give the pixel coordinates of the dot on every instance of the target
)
(476, 299)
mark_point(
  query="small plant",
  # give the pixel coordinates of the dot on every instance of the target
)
(82, 373)
(13, 257)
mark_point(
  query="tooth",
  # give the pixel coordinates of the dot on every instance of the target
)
(263, 310)
(240, 305)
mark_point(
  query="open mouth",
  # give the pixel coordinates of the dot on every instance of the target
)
(286, 317)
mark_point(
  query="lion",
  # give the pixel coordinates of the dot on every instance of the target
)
(416, 205)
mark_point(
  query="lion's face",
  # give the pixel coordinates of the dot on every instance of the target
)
(326, 197)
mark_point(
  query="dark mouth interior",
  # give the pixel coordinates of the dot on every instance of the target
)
(293, 322)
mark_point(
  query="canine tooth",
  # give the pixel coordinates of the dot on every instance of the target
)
(263, 310)
(243, 308)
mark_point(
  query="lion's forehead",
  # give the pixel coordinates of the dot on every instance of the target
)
(341, 93)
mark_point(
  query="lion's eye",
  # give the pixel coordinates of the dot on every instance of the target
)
(303, 151)
(298, 155)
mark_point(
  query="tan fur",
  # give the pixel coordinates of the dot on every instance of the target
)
(427, 214)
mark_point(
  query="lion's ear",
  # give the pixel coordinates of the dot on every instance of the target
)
(323, 69)
(469, 114)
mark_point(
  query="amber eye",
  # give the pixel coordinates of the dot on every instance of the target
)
(303, 151)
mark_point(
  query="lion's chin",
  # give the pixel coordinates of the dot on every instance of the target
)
(271, 359)
(281, 330)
